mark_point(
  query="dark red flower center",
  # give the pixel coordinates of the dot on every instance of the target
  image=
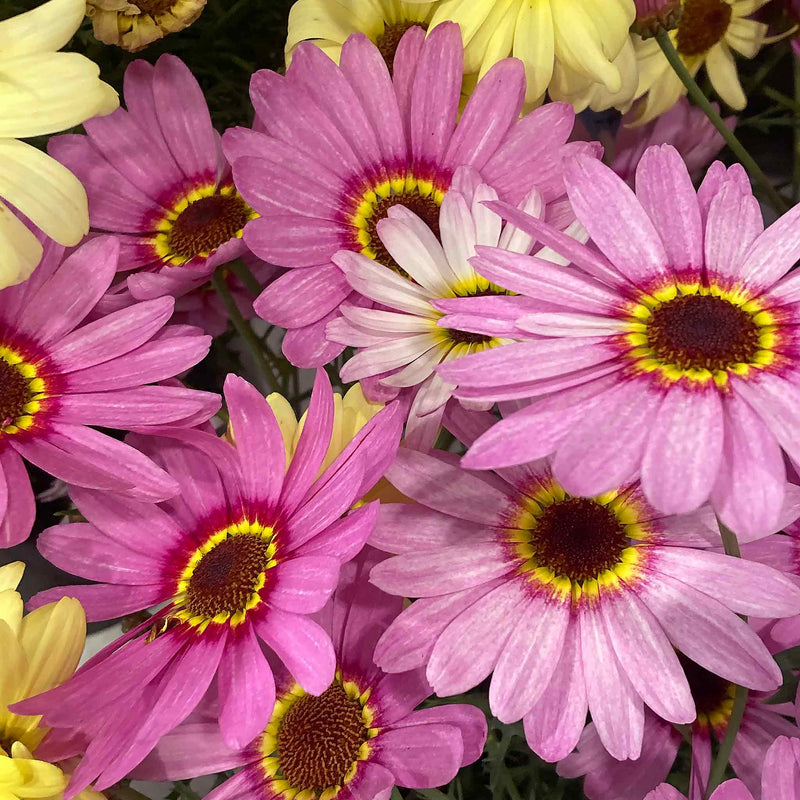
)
(14, 393)
(702, 24)
(467, 337)
(319, 739)
(389, 40)
(702, 332)
(227, 575)
(709, 691)
(425, 207)
(206, 224)
(578, 537)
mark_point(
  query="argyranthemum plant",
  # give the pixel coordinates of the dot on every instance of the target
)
(669, 356)
(156, 179)
(42, 91)
(40, 651)
(344, 144)
(358, 738)
(61, 374)
(242, 556)
(572, 604)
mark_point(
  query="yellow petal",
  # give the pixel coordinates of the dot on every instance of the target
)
(493, 39)
(534, 43)
(578, 45)
(746, 36)
(322, 19)
(12, 670)
(469, 14)
(46, 28)
(38, 779)
(11, 575)
(724, 78)
(11, 609)
(20, 250)
(44, 190)
(287, 422)
(52, 637)
(49, 92)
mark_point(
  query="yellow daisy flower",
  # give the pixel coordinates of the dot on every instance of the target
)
(134, 25)
(42, 91)
(567, 46)
(707, 33)
(40, 650)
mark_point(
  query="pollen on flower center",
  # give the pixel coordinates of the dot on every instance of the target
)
(578, 538)
(319, 739)
(702, 332)
(206, 224)
(389, 40)
(702, 24)
(227, 575)
(425, 207)
(15, 393)
(466, 337)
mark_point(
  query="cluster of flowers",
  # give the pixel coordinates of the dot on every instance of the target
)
(622, 540)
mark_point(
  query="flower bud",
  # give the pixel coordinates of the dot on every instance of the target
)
(654, 16)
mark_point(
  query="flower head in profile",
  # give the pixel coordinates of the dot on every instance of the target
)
(400, 343)
(60, 374)
(156, 178)
(708, 33)
(570, 603)
(763, 722)
(780, 776)
(239, 560)
(358, 738)
(43, 91)
(669, 356)
(40, 651)
(344, 144)
(134, 24)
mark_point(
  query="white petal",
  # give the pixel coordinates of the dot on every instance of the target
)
(20, 250)
(46, 28)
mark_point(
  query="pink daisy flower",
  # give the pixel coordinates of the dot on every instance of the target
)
(60, 374)
(669, 356)
(240, 557)
(573, 603)
(400, 343)
(609, 779)
(343, 144)
(780, 778)
(156, 177)
(357, 739)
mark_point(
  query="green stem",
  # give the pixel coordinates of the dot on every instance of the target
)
(696, 93)
(242, 327)
(243, 273)
(717, 775)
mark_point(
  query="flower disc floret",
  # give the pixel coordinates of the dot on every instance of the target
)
(713, 696)
(702, 335)
(702, 24)
(319, 740)
(206, 223)
(225, 575)
(20, 391)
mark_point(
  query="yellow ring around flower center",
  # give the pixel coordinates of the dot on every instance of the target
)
(290, 746)
(21, 392)
(199, 223)
(551, 531)
(224, 577)
(700, 333)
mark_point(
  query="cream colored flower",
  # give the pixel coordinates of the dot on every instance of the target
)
(39, 651)
(707, 33)
(42, 91)
(133, 26)
(578, 49)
